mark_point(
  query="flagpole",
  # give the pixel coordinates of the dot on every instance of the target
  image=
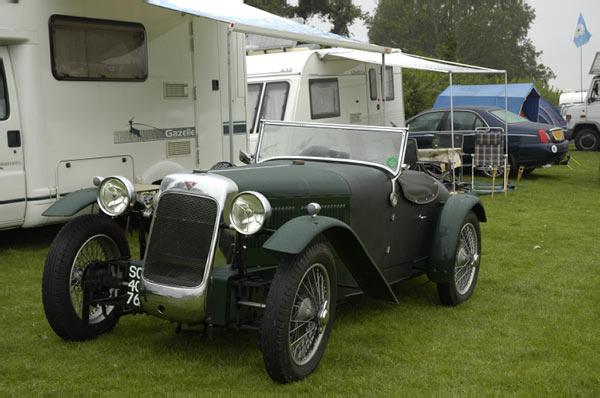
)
(581, 71)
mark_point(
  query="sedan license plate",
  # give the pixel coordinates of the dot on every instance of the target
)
(558, 135)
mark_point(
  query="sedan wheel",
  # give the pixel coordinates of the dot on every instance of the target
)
(299, 314)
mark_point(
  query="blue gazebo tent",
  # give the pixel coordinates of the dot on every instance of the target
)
(523, 98)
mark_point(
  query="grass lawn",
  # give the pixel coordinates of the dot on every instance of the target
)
(532, 326)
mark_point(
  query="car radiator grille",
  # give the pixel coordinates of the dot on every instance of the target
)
(180, 240)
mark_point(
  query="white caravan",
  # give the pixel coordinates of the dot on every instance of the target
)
(323, 86)
(74, 72)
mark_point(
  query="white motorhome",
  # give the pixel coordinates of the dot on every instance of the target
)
(74, 72)
(324, 86)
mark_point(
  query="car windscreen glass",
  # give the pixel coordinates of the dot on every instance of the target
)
(253, 97)
(511, 117)
(381, 146)
(3, 94)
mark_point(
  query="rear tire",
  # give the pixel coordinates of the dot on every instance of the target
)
(81, 241)
(587, 140)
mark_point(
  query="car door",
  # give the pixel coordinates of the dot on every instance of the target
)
(465, 123)
(593, 108)
(12, 172)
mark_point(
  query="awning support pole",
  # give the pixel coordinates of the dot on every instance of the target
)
(383, 93)
(452, 136)
(505, 127)
(229, 95)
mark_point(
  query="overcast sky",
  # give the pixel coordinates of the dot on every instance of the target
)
(552, 33)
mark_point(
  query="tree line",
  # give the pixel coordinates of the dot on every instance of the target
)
(489, 33)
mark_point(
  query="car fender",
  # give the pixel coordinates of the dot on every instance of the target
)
(72, 203)
(293, 236)
(445, 238)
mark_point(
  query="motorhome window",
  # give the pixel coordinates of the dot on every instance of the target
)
(3, 94)
(95, 49)
(253, 100)
(373, 83)
(389, 83)
(324, 98)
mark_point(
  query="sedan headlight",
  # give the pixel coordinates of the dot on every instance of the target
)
(249, 212)
(115, 195)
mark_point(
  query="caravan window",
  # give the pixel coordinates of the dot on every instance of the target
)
(373, 83)
(96, 49)
(389, 83)
(274, 100)
(254, 91)
(324, 98)
(3, 94)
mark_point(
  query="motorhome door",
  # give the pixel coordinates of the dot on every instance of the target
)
(12, 176)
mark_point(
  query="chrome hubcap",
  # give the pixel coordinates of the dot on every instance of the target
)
(310, 314)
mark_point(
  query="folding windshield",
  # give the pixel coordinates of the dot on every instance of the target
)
(380, 146)
(511, 117)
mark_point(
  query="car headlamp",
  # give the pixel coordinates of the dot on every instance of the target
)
(249, 212)
(115, 195)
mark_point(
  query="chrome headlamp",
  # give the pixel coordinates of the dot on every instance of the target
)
(115, 195)
(249, 212)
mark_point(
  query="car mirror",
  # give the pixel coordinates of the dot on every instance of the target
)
(245, 157)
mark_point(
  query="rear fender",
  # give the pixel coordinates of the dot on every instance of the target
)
(293, 236)
(71, 204)
(440, 268)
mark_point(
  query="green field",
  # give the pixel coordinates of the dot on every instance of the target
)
(532, 326)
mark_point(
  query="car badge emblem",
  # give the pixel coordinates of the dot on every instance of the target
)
(189, 185)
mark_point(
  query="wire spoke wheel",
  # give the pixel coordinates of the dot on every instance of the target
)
(82, 241)
(96, 248)
(309, 314)
(466, 264)
(466, 259)
(299, 314)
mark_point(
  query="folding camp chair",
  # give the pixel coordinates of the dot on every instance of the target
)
(489, 156)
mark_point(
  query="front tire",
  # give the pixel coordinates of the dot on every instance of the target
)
(81, 241)
(299, 314)
(466, 264)
(587, 140)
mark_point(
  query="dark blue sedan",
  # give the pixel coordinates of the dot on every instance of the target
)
(530, 144)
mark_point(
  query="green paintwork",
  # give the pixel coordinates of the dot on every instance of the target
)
(71, 204)
(443, 249)
(219, 306)
(287, 180)
(297, 233)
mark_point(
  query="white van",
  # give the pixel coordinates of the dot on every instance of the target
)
(583, 120)
(321, 86)
(72, 75)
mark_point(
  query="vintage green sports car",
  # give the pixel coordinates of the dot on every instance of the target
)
(320, 213)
